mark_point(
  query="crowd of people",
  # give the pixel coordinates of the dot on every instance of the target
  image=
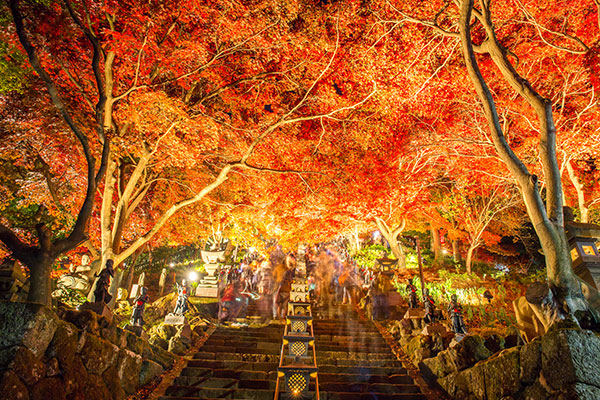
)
(333, 278)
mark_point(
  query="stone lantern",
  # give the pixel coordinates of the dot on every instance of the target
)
(297, 377)
(585, 257)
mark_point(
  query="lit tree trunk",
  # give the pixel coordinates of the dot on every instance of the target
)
(547, 219)
(436, 245)
(583, 209)
(456, 250)
(40, 259)
(470, 255)
(40, 283)
(391, 235)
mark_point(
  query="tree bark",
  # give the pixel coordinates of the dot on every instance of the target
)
(391, 235)
(470, 255)
(583, 209)
(456, 250)
(547, 219)
(40, 283)
(436, 245)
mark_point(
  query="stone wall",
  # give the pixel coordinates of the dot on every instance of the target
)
(78, 355)
(563, 364)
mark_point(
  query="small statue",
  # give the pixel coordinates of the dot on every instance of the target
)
(182, 294)
(137, 317)
(430, 314)
(455, 312)
(412, 294)
(488, 296)
(101, 294)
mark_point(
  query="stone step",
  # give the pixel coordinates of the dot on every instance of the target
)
(370, 396)
(400, 378)
(239, 365)
(201, 392)
(271, 374)
(259, 357)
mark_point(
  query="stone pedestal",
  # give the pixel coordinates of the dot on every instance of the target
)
(99, 308)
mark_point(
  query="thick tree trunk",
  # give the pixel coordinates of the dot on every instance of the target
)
(583, 209)
(391, 235)
(456, 250)
(436, 245)
(547, 219)
(398, 252)
(40, 282)
(469, 262)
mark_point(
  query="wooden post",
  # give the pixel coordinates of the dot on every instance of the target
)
(420, 261)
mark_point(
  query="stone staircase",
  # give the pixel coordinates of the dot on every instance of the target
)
(355, 362)
(353, 359)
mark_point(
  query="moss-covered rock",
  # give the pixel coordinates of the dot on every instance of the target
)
(531, 361)
(98, 354)
(75, 377)
(27, 324)
(12, 388)
(63, 345)
(567, 357)
(177, 346)
(128, 370)
(113, 383)
(502, 374)
(159, 342)
(95, 388)
(48, 388)
(26, 365)
(149, 371)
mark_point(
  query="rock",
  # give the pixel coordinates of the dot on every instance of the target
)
(12, 388)
(113, 383)
(582, 391)
(448, 383)
(163, 357)
(96, 389)
(52, 367)
(501, 374)
(185, 333)
(63, 345)
(49, 388)
(27, 324)
(98, 354)
(149, 371)
(535, 392)
(494, 343)
(128, 370)
(164, 332)
(566, 357)
(419, 348)
(531, 361)
(439, 366)
(26, 365)
(471, 350)
(176, 345)
(159, 342)
(76, 377)
(134, 343)
(100, 309)
(85, 320)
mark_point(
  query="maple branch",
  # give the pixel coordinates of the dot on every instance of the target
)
(539, 28)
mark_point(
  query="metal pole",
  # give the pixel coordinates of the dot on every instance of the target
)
(420, 261)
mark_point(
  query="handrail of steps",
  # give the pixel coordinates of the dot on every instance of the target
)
(298, 336)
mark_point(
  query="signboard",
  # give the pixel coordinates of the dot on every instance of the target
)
(173, 319)
(207, 292)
